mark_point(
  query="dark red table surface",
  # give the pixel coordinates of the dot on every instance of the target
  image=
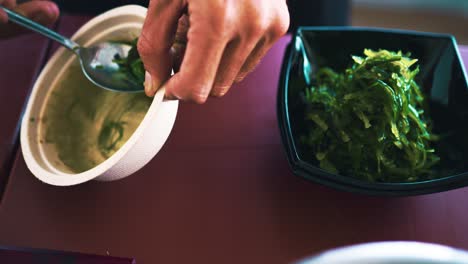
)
(21, 59)
(220, 190)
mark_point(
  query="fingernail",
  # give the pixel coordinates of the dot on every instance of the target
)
(151, 86)
(148, 84)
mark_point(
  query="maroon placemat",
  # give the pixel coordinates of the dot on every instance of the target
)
(21, 59)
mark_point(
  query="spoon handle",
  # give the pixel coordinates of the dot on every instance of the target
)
(28, 23)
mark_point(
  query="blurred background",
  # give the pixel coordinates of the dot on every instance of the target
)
(445, 16)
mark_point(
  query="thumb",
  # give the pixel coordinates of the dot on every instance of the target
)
(154, 44)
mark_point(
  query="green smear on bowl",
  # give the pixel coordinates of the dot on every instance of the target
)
(86, 124)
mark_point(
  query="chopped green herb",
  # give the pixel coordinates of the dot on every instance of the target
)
(132, 66)
(370, 122)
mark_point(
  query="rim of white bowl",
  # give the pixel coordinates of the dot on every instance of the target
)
(58, 177)
(391, 252)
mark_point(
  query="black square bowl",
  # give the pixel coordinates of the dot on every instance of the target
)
(442, 78)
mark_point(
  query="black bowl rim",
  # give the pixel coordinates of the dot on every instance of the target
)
(346, 183)
(375, 29)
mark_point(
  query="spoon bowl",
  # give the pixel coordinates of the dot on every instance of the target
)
(99, 66)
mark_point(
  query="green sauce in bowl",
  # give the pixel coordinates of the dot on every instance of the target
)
(85, 124)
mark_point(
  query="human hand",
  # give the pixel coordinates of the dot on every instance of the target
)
(212, 43)
(43, 12)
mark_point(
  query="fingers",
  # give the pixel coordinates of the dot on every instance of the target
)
(233, 59)
(180, 42)
(213, 51)
(253, 60)
(278, 28)
(3, 17)
(200, 63)
(43, 12)
(258, 37)
(10, 4)
(154, 44)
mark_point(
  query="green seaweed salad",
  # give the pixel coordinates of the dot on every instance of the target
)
(369, 121)
(132, 66)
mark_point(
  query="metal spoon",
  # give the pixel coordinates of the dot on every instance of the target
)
(96, 61)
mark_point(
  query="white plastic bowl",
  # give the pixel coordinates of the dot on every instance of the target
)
(119, 23)
(393, 252)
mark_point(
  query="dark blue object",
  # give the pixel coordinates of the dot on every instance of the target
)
(41, 256)
(442, 78)
(319, 13)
